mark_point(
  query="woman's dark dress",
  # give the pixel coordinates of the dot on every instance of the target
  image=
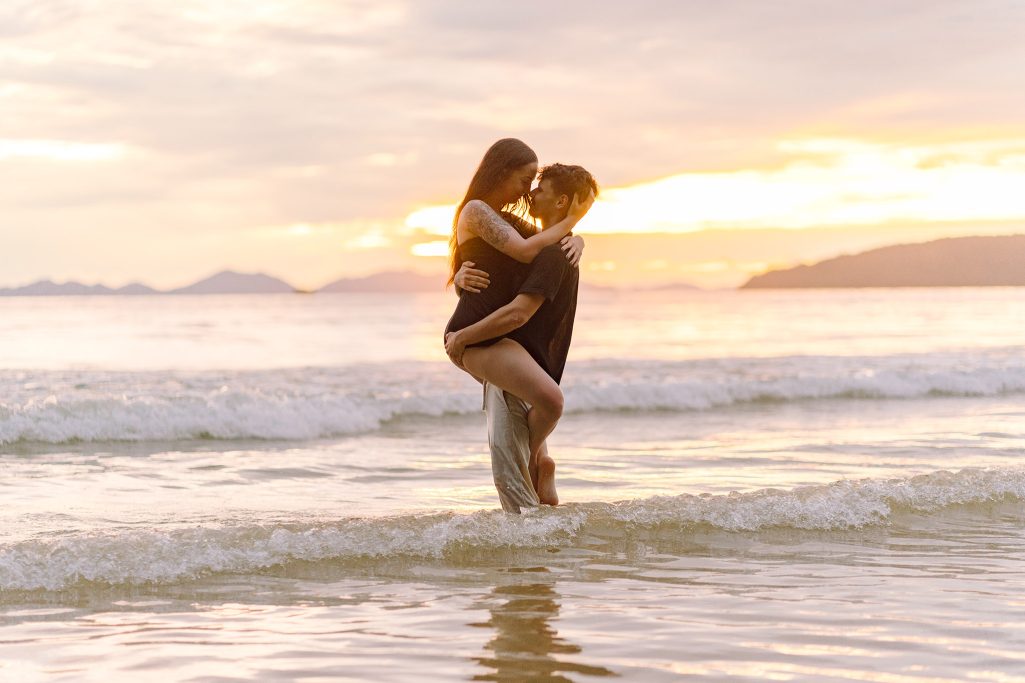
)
(506, 276)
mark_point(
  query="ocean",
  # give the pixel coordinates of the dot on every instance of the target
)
(786, 485)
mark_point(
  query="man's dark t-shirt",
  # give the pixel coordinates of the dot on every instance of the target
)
(546, 336)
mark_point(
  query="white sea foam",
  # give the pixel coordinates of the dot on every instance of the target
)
(287, 404)
(310, 403)
(844, 504)
(164, 554)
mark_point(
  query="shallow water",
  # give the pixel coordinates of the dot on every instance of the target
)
(926, 597)
(204, 489)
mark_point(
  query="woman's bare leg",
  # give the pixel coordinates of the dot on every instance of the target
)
(506, 364)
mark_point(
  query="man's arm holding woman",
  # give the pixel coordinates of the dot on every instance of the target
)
(514, 314)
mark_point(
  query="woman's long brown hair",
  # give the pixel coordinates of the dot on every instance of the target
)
(501, 158)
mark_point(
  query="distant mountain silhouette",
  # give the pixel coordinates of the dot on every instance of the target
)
(951, 262)
(399, 281)
(230, 282)
(226, 282)
(48, 288)
(136, 288)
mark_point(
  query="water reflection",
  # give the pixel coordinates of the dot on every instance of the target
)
(525, 645)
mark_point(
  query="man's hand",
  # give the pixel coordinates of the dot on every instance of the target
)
(573, 247)
(471, 279)
(455, 348)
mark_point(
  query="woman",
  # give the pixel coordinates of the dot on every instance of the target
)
(482, 235)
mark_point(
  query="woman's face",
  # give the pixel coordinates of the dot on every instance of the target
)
(518, 182)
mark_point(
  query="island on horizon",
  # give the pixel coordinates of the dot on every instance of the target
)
(997, 261)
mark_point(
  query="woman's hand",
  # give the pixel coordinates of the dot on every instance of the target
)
(455, 348)
(578, 209)
(573, 247)
(471, 279)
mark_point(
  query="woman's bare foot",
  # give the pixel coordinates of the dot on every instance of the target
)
(546, 480)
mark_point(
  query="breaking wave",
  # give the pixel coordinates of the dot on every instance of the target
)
(312, 403)
(161, 554)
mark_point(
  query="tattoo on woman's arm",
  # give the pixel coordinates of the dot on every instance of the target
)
(488, 225)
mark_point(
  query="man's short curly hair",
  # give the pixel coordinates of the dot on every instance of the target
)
(569, 180)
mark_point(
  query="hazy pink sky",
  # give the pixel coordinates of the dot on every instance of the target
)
(162, 141)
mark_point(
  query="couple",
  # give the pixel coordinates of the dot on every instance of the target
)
(517, 291)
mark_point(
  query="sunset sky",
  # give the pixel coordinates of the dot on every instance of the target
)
(162, 141)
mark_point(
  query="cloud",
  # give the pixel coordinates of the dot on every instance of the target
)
(26, 17)
(285, 112)
(825, 182)
(58, 150)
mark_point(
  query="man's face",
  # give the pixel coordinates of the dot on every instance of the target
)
(546, 204)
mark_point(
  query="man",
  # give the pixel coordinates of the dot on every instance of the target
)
(540, 318)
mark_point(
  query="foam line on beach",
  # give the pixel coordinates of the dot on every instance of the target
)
(312, 403)
(133, 555)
